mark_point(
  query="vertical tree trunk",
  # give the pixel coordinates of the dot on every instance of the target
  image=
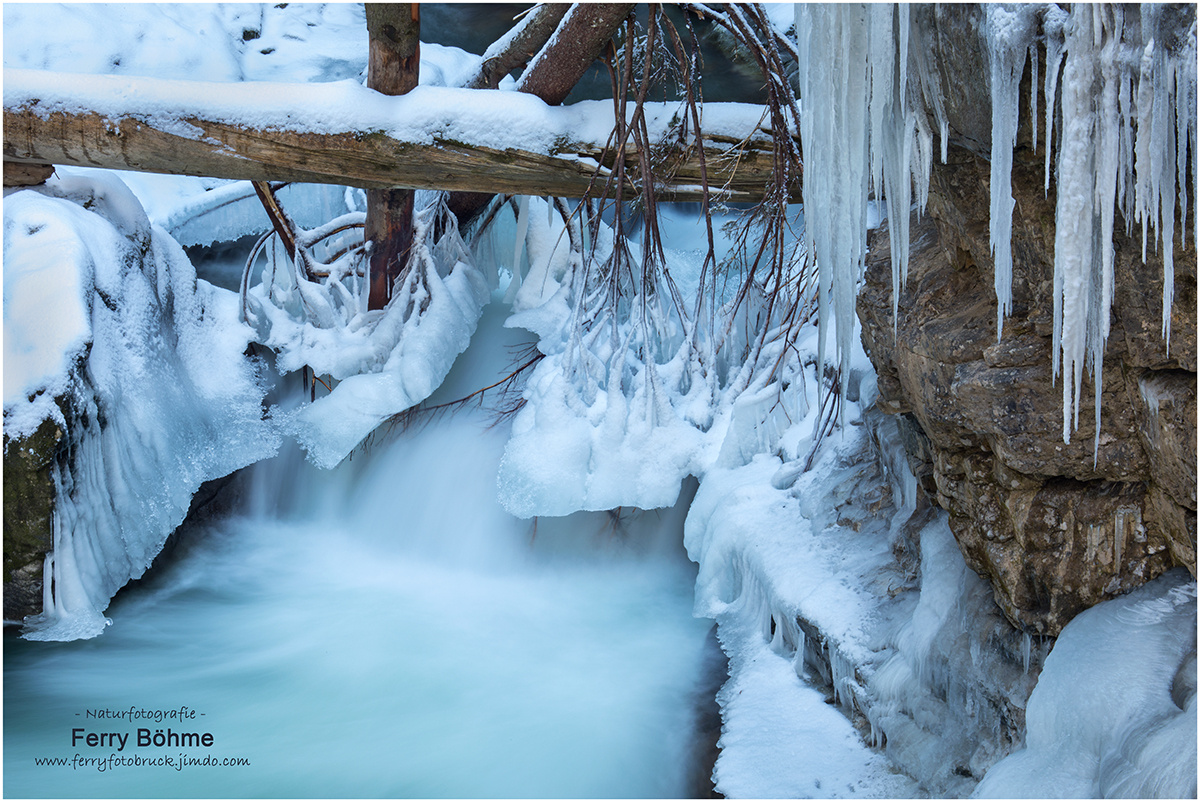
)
(392, 68)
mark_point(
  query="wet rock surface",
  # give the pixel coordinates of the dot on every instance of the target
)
(28, 523)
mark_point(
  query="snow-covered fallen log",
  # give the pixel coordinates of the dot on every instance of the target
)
(342, 133)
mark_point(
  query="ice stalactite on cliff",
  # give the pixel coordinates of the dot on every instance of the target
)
(1128, 125)
(1128, 117)
(1009, 33)
(1127, 98)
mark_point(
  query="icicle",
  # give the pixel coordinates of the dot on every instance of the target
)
(1105, 200)
(903, 17)
(834, 47)
(860, 133)
(1074, 232)
(48, 581)
(1119, 527)
(1026, 649)
(1009, 32)
(519, 244)
(1052, 29)
(1183, 118)
(1033, 94)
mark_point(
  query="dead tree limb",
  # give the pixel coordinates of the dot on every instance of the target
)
(394, 30)
(577, 42)
(572, 47)
(514, 50)
(279, 220)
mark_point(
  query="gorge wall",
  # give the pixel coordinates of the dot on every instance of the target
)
(1054, 526)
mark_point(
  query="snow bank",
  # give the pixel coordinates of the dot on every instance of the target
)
(47, 309)
(222, 42)
(1114, 711)
(156, 395)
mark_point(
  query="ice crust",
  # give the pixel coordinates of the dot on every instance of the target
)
(800, 570)
(151, 389)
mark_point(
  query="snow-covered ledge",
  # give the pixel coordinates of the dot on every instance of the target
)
(842, 579)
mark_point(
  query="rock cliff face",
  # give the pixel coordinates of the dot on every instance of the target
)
(1054, 526)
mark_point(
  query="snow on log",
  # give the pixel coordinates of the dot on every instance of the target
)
(343, 133)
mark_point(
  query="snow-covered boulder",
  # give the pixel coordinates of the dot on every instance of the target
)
(110, 339)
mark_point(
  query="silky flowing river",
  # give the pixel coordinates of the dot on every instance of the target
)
(383, 629)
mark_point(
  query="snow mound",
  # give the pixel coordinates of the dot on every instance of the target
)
(1114, 711)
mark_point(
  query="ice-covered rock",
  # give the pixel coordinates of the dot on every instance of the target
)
(1114, 710)
(141, 365)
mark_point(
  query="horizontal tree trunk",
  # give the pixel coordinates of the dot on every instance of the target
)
(285, 132)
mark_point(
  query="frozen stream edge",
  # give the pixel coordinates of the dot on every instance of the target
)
(852, 621)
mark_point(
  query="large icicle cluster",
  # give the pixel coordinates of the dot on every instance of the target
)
(1129, 124)
(1010, 29)
(863, 127)
(1128, 110)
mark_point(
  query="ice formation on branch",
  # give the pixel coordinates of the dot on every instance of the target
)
(314, 316)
